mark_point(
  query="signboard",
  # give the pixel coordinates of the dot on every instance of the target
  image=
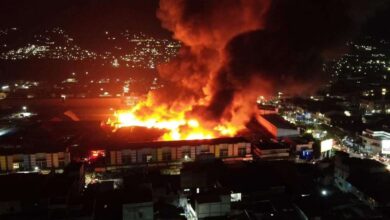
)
(235, 197)
(385, 146)
(326, 145)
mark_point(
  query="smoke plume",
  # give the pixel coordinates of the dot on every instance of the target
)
(236, 50)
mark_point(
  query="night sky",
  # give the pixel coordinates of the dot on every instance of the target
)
(86, 17)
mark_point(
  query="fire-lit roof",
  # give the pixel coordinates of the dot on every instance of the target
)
(278, 121)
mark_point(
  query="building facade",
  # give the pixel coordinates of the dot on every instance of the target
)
(376, 142)
(33, 161)
(178, 151)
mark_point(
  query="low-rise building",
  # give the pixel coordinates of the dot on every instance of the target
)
(212, 205)
(277, 126)
(376, 141)
(267, 109)
(302, 147)
(271, 150)
(178, 151)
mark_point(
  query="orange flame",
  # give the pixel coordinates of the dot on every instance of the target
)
(174, 122)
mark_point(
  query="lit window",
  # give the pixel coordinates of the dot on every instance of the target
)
(15, 166)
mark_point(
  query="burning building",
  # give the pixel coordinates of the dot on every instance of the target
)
(177, 127)
(234, 52)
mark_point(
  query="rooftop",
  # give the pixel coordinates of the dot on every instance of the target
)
(278, 121)
(377, 134)
(269, 145)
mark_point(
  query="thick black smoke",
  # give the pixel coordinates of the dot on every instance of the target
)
(235, 50)
(289, 51)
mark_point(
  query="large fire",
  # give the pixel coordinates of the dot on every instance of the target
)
(175, 124)
(225, 61)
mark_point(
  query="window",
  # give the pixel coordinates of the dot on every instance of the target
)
(146, 158)
(61, 162)
(186, 154)
(204, 150)
(241, 151)
(126, 159)
(41, 163)
(166, 156)
(223, 153)
(16, 166)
